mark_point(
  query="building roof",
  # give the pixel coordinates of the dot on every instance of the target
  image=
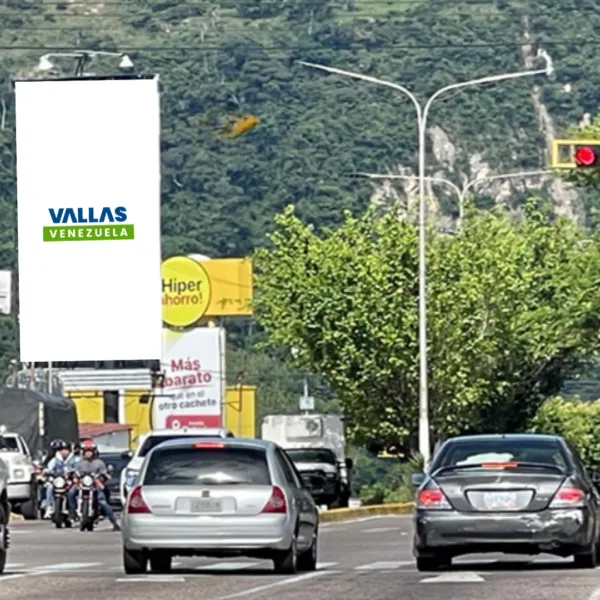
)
(89, 430)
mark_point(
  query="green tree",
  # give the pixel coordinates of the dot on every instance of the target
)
(578, 422)
(512, 311)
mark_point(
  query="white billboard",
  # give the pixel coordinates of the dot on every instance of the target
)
(88, 194)
(5, 292)
(194, 385)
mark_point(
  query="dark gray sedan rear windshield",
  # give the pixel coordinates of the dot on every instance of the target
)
(208, 466)
(523, 450)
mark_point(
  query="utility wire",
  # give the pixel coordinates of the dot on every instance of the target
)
(371, 44)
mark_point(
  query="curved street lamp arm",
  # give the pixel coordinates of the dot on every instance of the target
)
(375, 80)
(432, 179)
(481, 81)
(474, 182)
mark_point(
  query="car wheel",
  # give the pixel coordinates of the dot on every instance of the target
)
(433, 563)
(307, 561)
(286, 562)
(29, 508)
(4, 539)
(134, 562)
(587, 560)
(160, 562)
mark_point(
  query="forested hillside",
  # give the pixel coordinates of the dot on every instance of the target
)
(238, 56)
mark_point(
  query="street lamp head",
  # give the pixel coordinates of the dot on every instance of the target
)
(126, 63)
(45, 64)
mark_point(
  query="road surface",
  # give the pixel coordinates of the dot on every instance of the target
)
(368, 559)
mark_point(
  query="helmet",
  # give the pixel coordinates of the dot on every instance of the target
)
(87, 445)
(59, 444)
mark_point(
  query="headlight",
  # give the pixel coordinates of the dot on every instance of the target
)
(19, 474)
(87, 481)
(59, 482)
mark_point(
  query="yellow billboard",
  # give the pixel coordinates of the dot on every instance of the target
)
(231, 286)
(239, 410)
(193, 290)
(186, 291)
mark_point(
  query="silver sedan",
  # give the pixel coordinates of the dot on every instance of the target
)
(219, 498)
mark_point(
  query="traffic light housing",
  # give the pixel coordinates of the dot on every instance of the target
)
(575, 154)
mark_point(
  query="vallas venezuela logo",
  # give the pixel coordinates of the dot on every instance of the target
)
(91, 224)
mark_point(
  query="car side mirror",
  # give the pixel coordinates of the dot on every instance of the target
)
(349, 464)
(126, 454)
(417, 479)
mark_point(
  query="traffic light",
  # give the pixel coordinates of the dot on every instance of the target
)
(586, 156)
(575, 154)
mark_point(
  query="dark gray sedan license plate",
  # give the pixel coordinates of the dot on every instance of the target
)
(205, 505)
(500, 500)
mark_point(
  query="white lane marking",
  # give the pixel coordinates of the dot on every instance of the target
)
(227, 566)
(465, 577)
(325, 565)
(595, 595)
(385, 565)
(152, 579)
(14, 565)
(21, 575)
(66, 566)
(332, 530)
(378, 529)
(269, 586)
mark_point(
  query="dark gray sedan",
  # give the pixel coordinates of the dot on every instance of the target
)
(521, 494)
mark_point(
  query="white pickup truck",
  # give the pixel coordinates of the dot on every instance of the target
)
(4, 511)
(22, 486)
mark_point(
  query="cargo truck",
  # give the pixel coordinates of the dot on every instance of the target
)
(316, 443)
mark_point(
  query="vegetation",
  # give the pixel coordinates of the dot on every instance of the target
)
(578, 422)
(512, 311)
(379, 481)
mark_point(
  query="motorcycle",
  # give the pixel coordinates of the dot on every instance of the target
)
(60, 487)
(87, 505)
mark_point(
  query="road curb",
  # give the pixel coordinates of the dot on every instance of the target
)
(348, 514)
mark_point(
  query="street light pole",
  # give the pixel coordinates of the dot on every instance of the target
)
(461, 193)
(422, 116)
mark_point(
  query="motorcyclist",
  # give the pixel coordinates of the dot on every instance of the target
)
(91, 464)
(62, 462)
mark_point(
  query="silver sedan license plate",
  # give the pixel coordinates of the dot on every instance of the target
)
(500, 500)
(205, 505)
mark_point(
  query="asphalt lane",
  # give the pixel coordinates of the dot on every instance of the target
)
(370, 559)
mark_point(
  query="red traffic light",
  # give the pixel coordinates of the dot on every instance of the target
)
(585, 156)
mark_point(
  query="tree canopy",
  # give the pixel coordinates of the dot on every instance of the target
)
(513, 309)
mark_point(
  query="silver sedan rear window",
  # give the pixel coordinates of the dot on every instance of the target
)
(208, 466)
